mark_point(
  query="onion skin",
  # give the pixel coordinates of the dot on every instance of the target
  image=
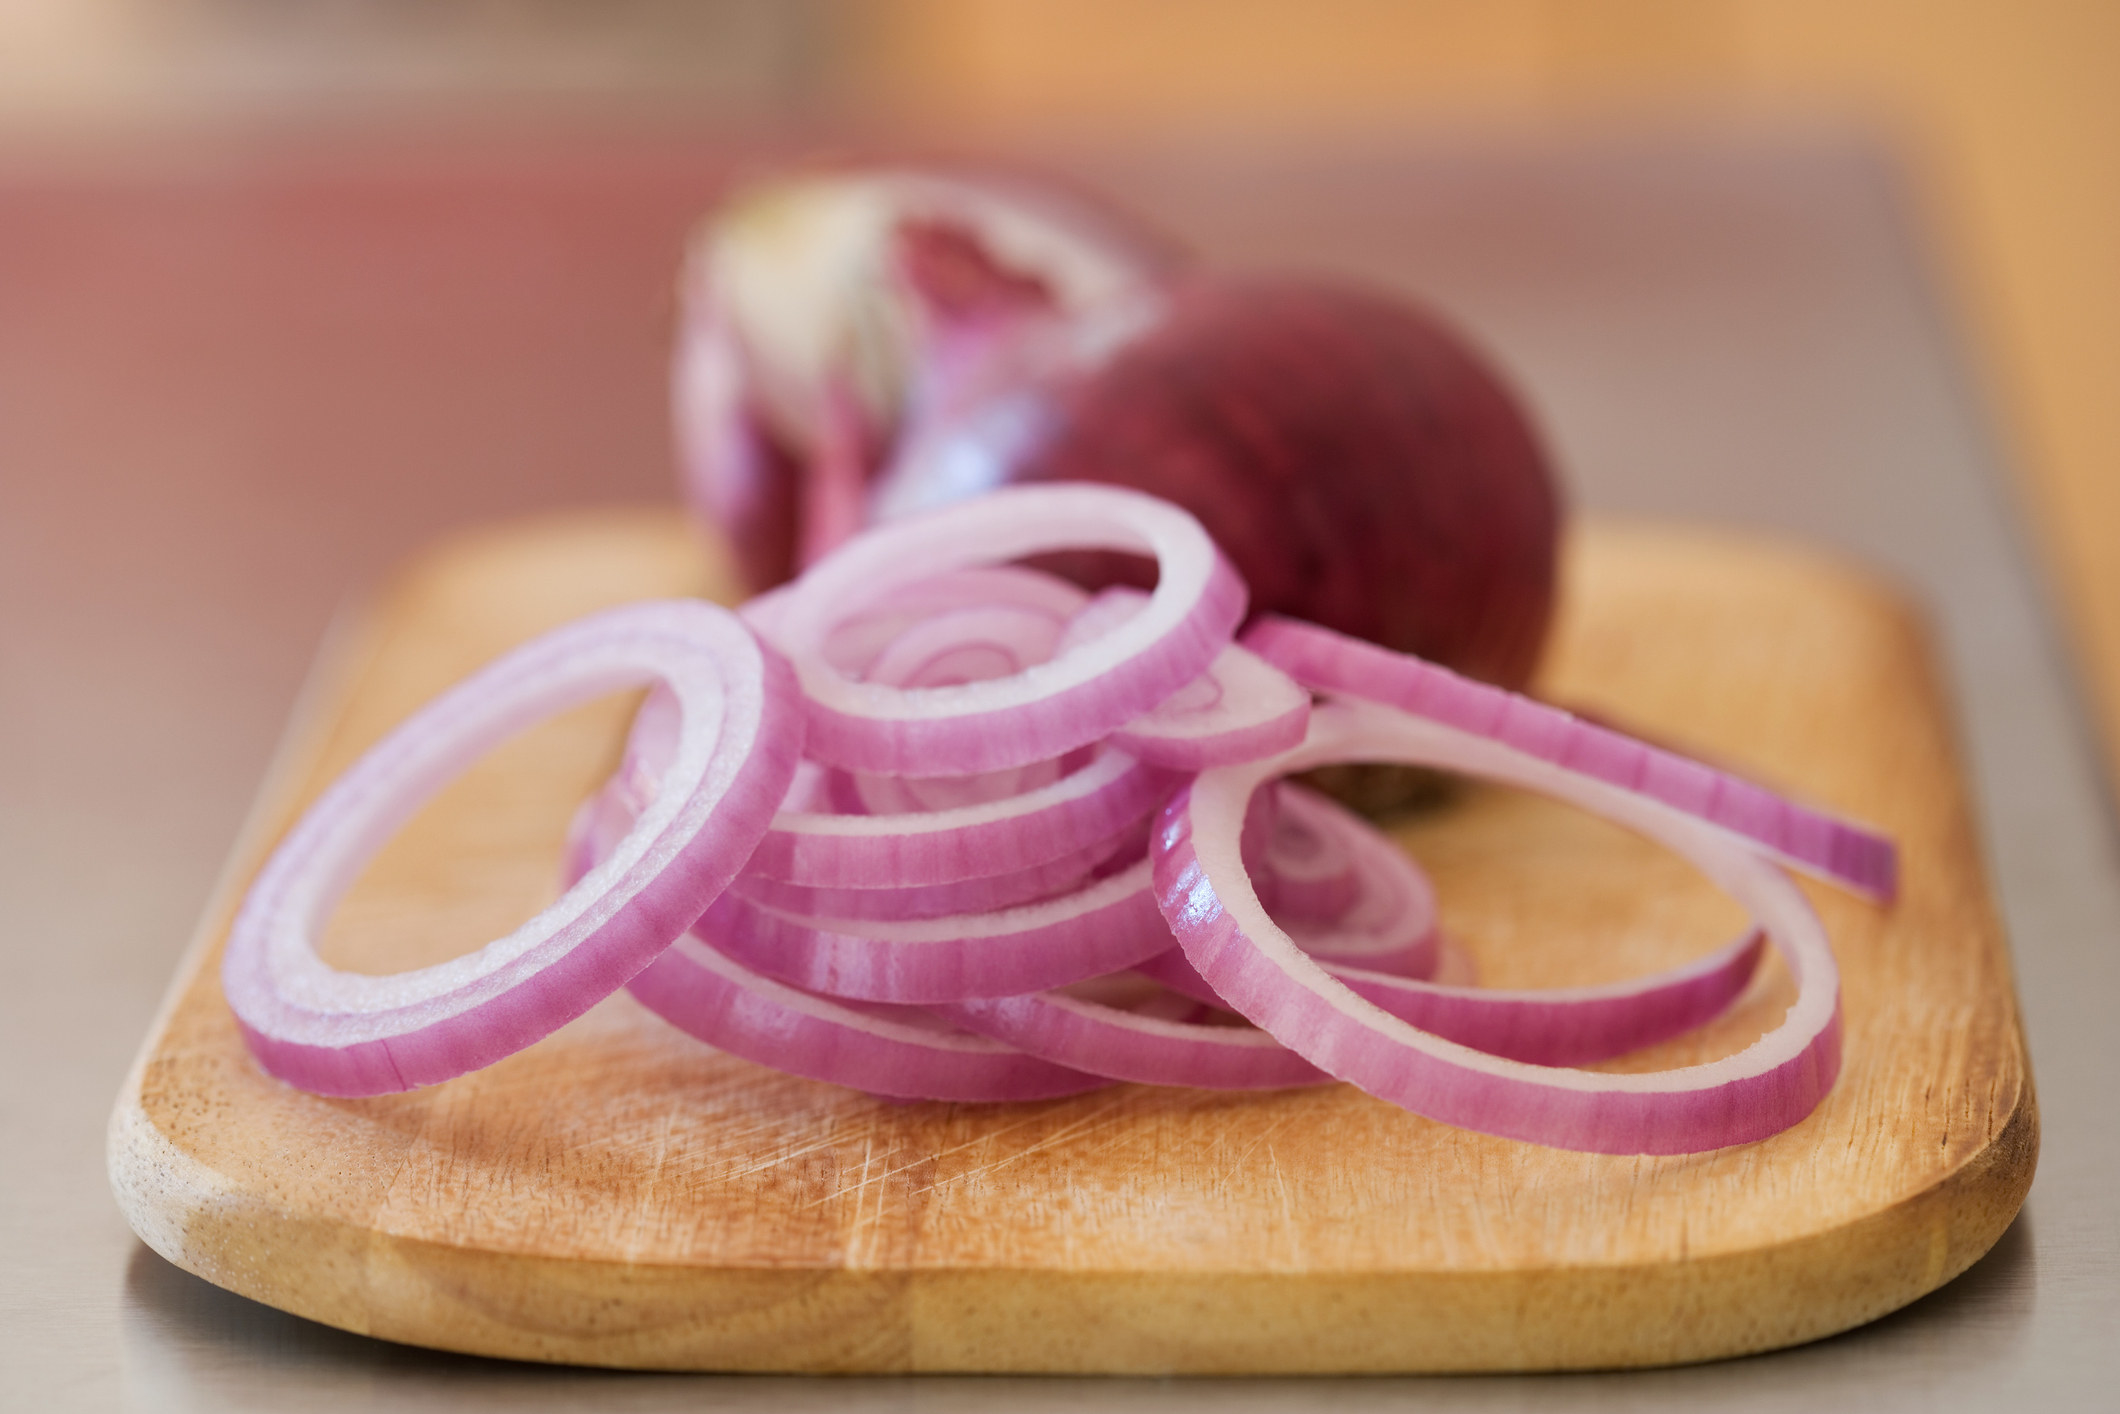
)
(1360, 465)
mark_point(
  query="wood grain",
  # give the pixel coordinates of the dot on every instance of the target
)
(620, 1195)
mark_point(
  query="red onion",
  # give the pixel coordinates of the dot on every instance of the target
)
(736, 739)
(898, 1051)
(1240, 708)
(1260, 972)
(1848, 854)
(858, 346)
(1127, 1044)
(1105, 926)
(820, 308)
(1050, 708)
(1034, 908)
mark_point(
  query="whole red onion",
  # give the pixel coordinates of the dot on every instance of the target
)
(1361, 465)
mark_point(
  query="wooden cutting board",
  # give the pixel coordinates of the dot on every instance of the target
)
(621, 1195)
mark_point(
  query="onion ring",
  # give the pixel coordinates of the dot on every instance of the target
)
(1050, 708)
(1261, 972)
(738, 737)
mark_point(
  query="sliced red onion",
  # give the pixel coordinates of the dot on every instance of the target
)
(857, 642)
(980, 895)
(1126, 1043)
(1566, 1025)
(1071, 816)
(1316, 874)
(901, 1052)
(1557, 1026)
(1108, 925)
(1240, 708)
(1047, 710)
(971, 643)
(1083, 813)
(1260, 971)
(1844, 853)
(1389, 924)
(737, 739)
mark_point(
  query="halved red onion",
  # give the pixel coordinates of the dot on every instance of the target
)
(825, 311)
(1260, 971)
(902, 1052)
(1132, 1043)
(1837, 850)
(1106, 926)
(737, 739)
(1050, 708)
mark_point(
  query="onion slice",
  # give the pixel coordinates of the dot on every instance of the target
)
(985, 894)
(737, 737)
(1128, 1044)
(1851, 855)
(904, 1052)
(1106, 926)
(1050, 708)
(1261, 972)
(1084, 812)
(1240, 708)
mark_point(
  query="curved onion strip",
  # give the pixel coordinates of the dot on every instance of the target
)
(1567, 1025)
(1260, 972)
(970, 643)
(858, 641)
(1110, 924)
(1051, 708)
(1385, 920)
(1844, 853)
(981, 895)
(883, 1051)
(1315, 876)
(1389, 925)
(1240, 708)
(737, 742)
(1078, 814)
(1549, 1026)
(1110, 795)
(903, 1052)
(1125, 1044)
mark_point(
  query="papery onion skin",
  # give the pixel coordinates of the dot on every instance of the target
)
(820, 304)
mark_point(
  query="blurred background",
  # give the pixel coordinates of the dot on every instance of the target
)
(2005, 115)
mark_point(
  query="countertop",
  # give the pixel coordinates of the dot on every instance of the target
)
(236, 384)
